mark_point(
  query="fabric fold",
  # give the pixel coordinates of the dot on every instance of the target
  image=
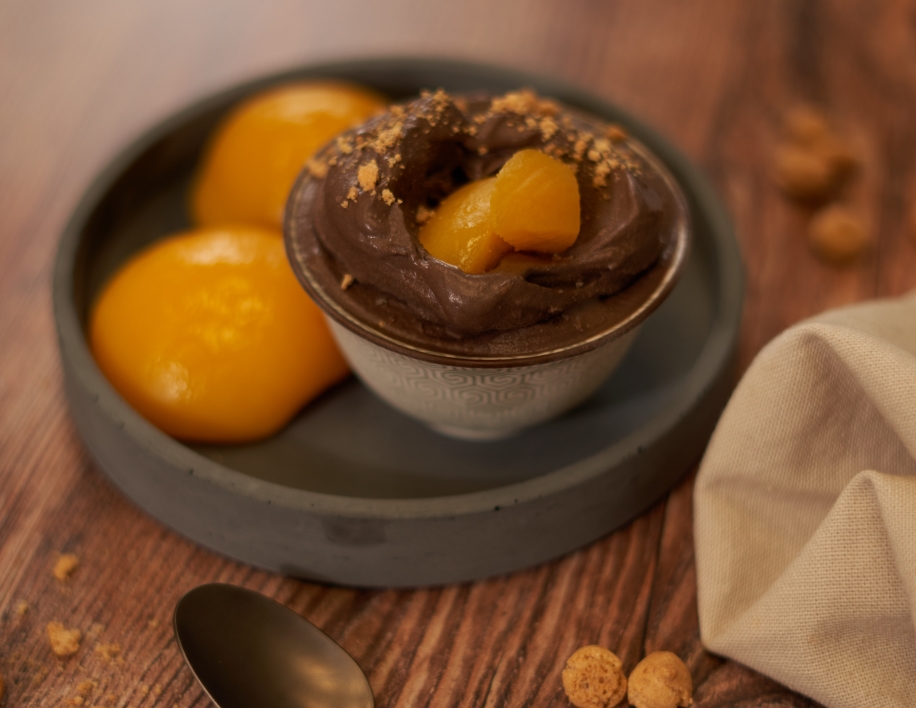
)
(805, 511)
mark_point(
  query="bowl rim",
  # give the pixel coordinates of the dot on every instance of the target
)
(716, 353)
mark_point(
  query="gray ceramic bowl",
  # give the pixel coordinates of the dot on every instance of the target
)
(353, 492)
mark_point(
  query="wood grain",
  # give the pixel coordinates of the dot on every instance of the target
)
(78, 80)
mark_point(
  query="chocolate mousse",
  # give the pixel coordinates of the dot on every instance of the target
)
(354, 215)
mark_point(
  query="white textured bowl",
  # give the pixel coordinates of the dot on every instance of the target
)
(479, 403)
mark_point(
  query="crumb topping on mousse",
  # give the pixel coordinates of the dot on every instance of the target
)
(357, 215)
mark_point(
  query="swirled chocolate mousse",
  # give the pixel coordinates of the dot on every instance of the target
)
(354, 218)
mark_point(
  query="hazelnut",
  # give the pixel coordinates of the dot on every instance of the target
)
(813, 161)
(661, 680)
(593, 678)
(805, 173)
(806, 124)
(837, 235)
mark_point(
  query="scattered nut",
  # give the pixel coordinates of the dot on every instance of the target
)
(813, 161)
(660, 680)
(593, 678)
(804, 174)
(837, 235)
(64, 642)
(66, 564)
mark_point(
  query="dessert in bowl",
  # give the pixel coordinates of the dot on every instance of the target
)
(482, 354)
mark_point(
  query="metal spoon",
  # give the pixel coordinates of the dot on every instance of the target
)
(249, 651)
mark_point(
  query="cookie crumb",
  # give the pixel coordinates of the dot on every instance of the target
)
(804, 174)
(548, 128)
(602, 170)
(66, 564)
(345, 144)
(594, 678)
(388, 138)
(83, 689)
(153, 623)
(660, 680)
(524, 102)
(368, 176)
(317, 169)
(64, 642)
(616, 133)
(352, 194)
(837, 235)
(108, 652)
(345, 204)
(22, 609)
(387, 197)
(346, 281)
(423, 214)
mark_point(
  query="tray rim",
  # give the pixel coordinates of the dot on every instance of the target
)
(718, 350)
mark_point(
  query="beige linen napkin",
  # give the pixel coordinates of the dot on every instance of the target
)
(805, 511)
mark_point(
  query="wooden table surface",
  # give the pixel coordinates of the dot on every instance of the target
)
(78, 80)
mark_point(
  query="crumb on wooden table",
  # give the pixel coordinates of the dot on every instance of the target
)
(108, 652)
(594, 678)
(64, 642)
(813, 160)
(837, 235)
(65, 565)
(660, 680)
(84, 688)
(22, 609)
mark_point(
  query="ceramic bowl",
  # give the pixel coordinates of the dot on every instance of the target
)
(484, 397)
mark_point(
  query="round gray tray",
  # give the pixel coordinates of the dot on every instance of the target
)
(353, 492)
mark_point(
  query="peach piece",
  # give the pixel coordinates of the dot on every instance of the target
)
(535, 204)
(460, 231)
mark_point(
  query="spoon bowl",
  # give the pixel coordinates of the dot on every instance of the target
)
(249, 650)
